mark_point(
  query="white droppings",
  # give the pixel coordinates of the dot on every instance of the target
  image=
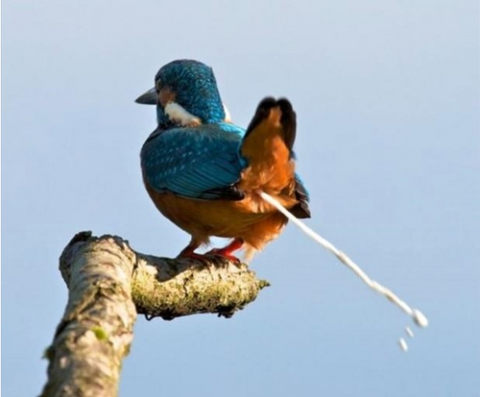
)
(403, 344)
(409, 332)
(417, 316)
(420, 318)
(178, 114)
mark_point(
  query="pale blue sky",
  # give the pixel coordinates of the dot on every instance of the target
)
(387, 98)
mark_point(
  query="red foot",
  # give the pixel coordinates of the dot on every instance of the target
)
(219, 252)
(226, 252)
(189, 252)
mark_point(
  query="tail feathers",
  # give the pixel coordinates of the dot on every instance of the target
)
(267, 147)
(274, 114)
(288, 121)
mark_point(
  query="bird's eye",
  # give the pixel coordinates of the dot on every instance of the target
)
(158, 85)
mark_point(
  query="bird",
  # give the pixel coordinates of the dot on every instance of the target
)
(204, 173)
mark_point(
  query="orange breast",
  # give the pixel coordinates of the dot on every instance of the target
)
(220, 218)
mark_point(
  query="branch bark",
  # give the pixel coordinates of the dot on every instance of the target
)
(109, 284)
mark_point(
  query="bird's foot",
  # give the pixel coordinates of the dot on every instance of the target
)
(189, 253)
(223, 253)
(226, 252)
(220, 253)
(213, 254)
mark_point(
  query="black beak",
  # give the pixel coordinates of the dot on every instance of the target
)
(148, 98)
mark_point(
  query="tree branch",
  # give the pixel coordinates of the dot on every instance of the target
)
(109, 284)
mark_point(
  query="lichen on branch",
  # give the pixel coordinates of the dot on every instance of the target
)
(109, 284)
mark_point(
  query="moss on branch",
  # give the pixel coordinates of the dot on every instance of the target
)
(109, 284)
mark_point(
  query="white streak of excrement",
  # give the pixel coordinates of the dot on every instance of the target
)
(409, 332)
(417, 316)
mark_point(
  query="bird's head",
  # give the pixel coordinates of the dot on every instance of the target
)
(185, 93)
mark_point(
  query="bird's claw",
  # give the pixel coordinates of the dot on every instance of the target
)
(191, 255)
(216, 252)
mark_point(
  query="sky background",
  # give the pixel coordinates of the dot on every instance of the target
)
(387, 99)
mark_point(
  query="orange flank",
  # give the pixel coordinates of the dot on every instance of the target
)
(220, 218)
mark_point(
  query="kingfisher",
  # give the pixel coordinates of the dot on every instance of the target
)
(204, 173)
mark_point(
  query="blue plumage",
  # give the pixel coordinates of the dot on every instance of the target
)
(199, 163)
(195, 88)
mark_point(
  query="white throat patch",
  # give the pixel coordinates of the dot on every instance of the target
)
(178, 114)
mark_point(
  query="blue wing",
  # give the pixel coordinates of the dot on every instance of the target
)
(200, 163)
